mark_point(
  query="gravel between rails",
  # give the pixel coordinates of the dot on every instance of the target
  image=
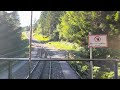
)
(41, 71)
(56, 70)
(45, 70)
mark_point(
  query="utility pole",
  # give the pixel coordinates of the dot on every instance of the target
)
(30, 41)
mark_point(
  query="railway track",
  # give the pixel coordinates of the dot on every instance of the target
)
(47, 70)
(41, 69)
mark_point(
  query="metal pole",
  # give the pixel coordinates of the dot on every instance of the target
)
(75, 63)
(91, 62)
(50, 70)
(30, 41)
(9, 70)
(116, 70)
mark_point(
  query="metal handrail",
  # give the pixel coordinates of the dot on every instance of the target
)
(57, 59)
(62, 59)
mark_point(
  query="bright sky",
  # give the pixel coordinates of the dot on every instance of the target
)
(26, 15)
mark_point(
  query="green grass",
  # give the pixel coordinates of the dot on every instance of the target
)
(41, 37)
(64, 45)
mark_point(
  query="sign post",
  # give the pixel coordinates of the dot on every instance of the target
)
(91, 62)
(96, 41)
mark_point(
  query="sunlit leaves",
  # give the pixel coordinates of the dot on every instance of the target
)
(75, 25)
(108, 17)
(116, 16)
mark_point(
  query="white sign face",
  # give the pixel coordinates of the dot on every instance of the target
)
(97, 41)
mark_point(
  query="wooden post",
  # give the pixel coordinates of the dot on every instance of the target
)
(50, 70)
(45, 53)
(116, 70)
(91, 62)
(40, 52)
(67, 55)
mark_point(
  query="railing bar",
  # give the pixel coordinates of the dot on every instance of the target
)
(116, 70)
(32, 70)
(50, 71)
(9, 70)
(91, 69)
(56, 59)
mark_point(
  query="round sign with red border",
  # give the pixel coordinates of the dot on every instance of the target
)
(97, 39)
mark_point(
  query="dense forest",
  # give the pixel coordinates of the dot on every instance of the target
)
(10, 34)
(74, 27)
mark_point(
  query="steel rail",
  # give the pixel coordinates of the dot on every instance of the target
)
(50, 69)
(32, 70)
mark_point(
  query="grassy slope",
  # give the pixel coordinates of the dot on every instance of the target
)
(64, 45)
(41, 37)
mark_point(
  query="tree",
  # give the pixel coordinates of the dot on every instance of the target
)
(74, 26)
(48, 22)
(10, 32)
